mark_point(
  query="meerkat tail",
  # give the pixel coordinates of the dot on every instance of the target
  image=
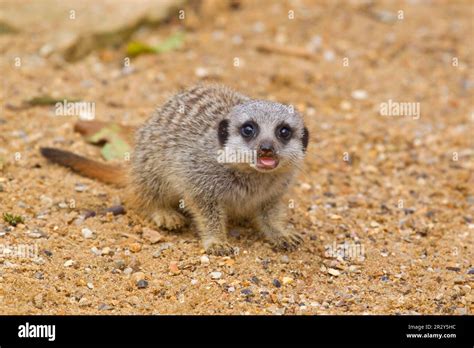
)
(107, 173)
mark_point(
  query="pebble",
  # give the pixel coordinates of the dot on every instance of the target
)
(84, 302)
(80, 187)
(216, 275)
(128, 271)
(68, 263)
(231, 289)
(104, 307)
(137, 276)
(142, 284)
(305, 186)
(246, 292)
(106, 251)
(87, 233)
(284, 259)
(359, 94)
(120, 264)
(173, 267)
(204, 260)
(333, 272)
(161, 248)
(151, 235)
(96, 251)
(38, 301)
(276, 283)
(194, 281)
(39, 275)
(255, 280)
(287, 280)
(135, 247)
(90, 286)
(471, 271)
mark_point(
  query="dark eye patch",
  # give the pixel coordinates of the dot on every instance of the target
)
(305, 139)
(284, 132)
(223, 132)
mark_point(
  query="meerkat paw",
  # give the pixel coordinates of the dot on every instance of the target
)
(169, 219)
(218, 248)
(288, 241)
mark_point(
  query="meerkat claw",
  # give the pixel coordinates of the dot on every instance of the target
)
(286, 242)
(220, 249)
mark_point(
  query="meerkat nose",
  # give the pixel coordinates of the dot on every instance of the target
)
(266, 147)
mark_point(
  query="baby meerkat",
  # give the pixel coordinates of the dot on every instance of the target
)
(216, 156)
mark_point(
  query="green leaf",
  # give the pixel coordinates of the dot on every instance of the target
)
(115, 145)
(136, 48)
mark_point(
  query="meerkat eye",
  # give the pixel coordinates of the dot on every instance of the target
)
(284, 132)
(248, 130)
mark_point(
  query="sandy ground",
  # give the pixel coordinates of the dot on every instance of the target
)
(397, 190)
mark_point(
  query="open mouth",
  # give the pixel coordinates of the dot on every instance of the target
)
(267, 162)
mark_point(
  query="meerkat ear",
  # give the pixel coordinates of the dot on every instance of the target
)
(223, 131)
(305, 139)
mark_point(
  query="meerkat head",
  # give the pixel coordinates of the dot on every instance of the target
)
(267, 135)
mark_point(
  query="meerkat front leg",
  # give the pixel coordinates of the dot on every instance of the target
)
(270, 222)
(211, 222)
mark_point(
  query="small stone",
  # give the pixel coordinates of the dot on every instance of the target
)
(68, 263)
(39, 275)
(84, 302)
(137, 276)
(87, 233)
(284, 259)
(90, 286)
(162, 247)
(128, 271)
(276, 283)
(142, 284)
(104, 307)
(471, 271)
(359, 94)
(287, 280)
(333, 272)
(231, 289)
(335, 217)
(135, 247)
(246, 292)
(452, 268)
(255, 280)
(151, 235)
(194, 281)
(120, 264)
(216, 275)
(63, 205)
(204, 260)
(201, 72)
(80, 187)
(305, 186)
(96, 251)
(106, 251)
(384, 278)
(173, 267)
(38, 301)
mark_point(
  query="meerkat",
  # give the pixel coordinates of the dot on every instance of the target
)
(176, 174)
